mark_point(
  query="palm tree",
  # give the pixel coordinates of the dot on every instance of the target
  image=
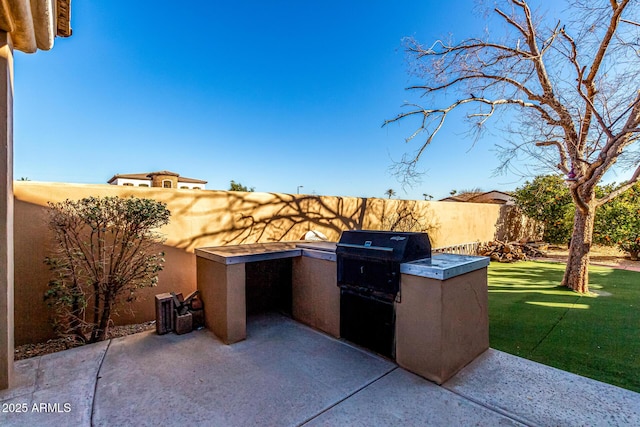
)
(390, 192)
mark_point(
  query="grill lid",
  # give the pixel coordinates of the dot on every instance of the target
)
(384, 245)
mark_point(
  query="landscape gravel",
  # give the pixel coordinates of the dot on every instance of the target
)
(51, 346)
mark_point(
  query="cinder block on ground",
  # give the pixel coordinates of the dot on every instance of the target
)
(183, 323)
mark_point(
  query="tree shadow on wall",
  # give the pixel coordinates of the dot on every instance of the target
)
(513, 225)
(224, 218)
(410, 215)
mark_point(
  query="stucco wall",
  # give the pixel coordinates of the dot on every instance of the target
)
(201, 218)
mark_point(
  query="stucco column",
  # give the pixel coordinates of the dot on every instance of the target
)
(6, 210)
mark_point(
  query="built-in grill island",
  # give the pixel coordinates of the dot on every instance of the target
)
(383, 291)
(368, 272)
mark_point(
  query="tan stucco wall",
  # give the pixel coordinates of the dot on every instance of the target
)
(315, 294)
(442, 325)
(222, 289)
(202, 218)
(6, 212)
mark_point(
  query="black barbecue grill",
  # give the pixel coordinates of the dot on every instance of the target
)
(369, 261)
(368, 264)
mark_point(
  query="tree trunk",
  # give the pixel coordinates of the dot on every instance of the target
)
(102, 317)
(576, 275)
(100, 331)
(76, 323)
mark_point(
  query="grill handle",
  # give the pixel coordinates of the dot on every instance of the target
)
(373, 248)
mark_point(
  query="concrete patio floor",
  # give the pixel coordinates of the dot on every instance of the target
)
(286, 374)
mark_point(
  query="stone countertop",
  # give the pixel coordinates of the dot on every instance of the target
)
(444, 266)
(318, 246)
(239, 254)
(440, 266)
(319, 250)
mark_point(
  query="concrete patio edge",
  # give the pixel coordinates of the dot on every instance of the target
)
(297, 375)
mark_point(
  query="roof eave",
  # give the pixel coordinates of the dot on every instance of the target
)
(34, 24)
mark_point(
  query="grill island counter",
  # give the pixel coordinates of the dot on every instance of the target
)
(441, 316)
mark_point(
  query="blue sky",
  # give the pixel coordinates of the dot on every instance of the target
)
(273, 95)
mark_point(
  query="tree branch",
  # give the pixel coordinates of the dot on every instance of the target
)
(569, 91)
(564, 165)
(621, 189)
(614, 147)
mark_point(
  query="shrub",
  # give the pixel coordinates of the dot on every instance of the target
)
(106, 248)
(548, 200)
(618, 222)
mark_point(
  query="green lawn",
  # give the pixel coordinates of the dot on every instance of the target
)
(596, 336)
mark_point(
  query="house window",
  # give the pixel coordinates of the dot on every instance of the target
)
(184, 187)
(127, 184)
(143, 185)
(166, 184)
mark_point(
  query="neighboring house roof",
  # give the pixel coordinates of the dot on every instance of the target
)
(34, 24)
(495, 196)
(464, 197)
(163, 173)
(191, 180)
(147, 176)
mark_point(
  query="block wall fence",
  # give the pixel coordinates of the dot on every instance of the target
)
(201, 218)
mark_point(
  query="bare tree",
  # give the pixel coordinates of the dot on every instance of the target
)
(572, 89)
